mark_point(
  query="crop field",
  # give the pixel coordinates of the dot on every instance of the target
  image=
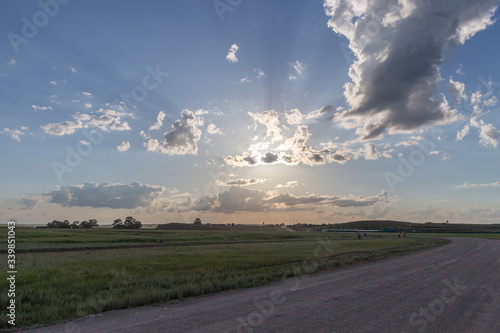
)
(65, 273)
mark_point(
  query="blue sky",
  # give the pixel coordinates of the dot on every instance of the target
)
(250, 111)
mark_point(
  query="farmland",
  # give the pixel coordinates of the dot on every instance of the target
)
(66, 273)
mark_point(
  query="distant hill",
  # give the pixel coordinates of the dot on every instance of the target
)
(419, 227)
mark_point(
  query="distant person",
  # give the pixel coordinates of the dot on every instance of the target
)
(359, 235)
(160, 240)
(329, 236)
(343, 236)
(364, 235)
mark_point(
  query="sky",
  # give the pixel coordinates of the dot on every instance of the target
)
(239, 111)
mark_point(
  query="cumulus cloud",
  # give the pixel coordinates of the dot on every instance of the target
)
(394, 77)
(456, 90)
(124, 146)
(488, 134)
(182, 139)
(106, 119)
(270, 119)
(117, 196)
(41, 108)
(294, 117)
(62, 128)
(86, 93)
(231, 55)
(11, 62)
(292, 151)
(212, 129)
(159, 121)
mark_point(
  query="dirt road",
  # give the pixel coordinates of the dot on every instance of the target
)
(454, 288)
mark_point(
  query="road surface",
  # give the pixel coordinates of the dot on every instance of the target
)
(453, 288)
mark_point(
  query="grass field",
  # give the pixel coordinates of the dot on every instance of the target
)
(471, 235)
(69, 273)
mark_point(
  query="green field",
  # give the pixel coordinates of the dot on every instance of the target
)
(470, 235)
(64, 273)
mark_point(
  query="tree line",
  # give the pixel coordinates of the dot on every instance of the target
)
(87, 224)
(129, 223)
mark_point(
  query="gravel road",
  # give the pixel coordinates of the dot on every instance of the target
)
(453, 288)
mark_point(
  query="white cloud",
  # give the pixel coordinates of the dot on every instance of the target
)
(231, 55)
(73, 69)
(393, 77)
(245, 80)
(294, 117)
(109, 120)
(83, 142)
(212, 129)
(289, 184)
(260, 73)
(117, 196)
(13, 134)
(270, 119)
(293, 151)
(144, 135)
(85, 93)
(298, 68)
(465, 185)
(41, 108)
(456, 90)
(488, 134)
(88, 105)
(124, 146)
(11, 62)
(54, 83)
(152, 145)
(242, 182)
(159, 121)
(463, 133)
(62, 128)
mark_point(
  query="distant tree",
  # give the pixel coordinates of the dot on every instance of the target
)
(129, 223)
(89, 224)
(197, 221)
(58, 224)
(232, 224)
(75, 224)
(118, 224)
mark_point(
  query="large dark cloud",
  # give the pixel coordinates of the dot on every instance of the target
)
(399, 47)
(131, 196)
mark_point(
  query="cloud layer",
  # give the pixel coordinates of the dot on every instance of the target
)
(116, 196)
